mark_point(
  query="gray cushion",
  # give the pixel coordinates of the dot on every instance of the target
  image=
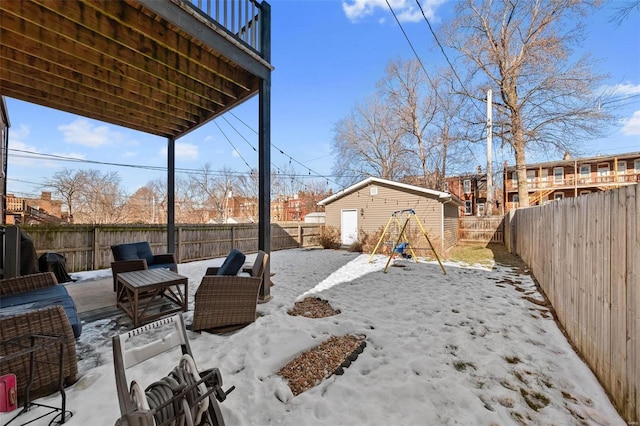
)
(233, 263)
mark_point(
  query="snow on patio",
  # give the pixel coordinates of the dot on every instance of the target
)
(472, 347)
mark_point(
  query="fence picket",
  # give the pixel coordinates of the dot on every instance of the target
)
(584, 253)
(88, 247)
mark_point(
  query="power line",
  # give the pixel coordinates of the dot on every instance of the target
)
(409, 41)
(52, 157)
(232, 145)
(424, 69)
(435, 37)
(286, 155)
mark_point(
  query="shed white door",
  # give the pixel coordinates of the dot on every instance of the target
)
(349, 226)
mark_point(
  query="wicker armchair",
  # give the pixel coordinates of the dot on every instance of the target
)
(256, 270)
(225, 303)
(48, 321)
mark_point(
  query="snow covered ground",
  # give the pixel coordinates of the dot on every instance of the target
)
(467, 348)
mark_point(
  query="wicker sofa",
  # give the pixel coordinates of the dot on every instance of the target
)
(47, 321)
(36, 291)
(130, 257)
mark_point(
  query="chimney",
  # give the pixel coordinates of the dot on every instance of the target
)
(567, 156)
(46, 196)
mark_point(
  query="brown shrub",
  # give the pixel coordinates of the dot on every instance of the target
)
(329, 237)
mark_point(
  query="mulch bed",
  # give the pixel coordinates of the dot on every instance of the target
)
(312, 307)
(331, 357)
(317, 364)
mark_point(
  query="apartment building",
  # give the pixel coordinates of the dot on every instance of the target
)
(572, 177)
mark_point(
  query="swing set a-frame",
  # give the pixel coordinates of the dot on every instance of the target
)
(394, 220)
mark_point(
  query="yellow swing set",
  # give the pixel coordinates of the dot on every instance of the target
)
(403, 226)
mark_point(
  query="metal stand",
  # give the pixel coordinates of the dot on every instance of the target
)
(30, 345)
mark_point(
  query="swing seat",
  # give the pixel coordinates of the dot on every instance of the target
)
(400, 249)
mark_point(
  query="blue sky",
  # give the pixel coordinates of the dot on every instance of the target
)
(328, 56)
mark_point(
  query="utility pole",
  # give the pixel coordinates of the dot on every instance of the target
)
(489, 204)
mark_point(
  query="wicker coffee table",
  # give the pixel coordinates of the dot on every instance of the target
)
(149, 294)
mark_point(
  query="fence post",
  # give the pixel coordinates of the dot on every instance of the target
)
(233, 236)
(96, 249)
(300, 237)
(179, 246)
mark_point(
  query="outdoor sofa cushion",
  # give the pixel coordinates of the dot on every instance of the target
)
(133, 251)
(233, 263)
(142, 250)
(41, 298)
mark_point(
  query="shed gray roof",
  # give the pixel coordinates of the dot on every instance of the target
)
(442, 196)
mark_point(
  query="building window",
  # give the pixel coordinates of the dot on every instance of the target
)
(603, 169)
(445, 186)
(467, 186)
(467, 207)
(558, 174)
(585, 192)
(480, 209)
(544, 177)
(516, 199)
(637, 166)
(531, 176)
(558, 195)
(585, 173)
(514, 179)
(622, 170)
(373, 191)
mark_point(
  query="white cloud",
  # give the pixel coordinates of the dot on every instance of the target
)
(626, 89)
(235, 153)
(19, 134)
(184, 151)
(631, 126)
(405, 10)
(83, 132)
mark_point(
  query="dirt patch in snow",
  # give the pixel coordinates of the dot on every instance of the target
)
(317, 364)
(312, 307)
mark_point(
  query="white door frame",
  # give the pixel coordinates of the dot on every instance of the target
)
(348, 226)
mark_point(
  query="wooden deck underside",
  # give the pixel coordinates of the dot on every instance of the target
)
(121, 62)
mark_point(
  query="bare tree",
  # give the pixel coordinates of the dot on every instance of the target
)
(285, 181)
(371, 142)
(544, 100)
(314, 191)
(142, 206)
(90, 195)
(624, 9)
(449, 149)
(67, 184)
(158, 188)
(406, 90)
(102, 198)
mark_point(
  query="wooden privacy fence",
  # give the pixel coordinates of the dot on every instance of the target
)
(585, 253)
(481, 229)
(88, 247)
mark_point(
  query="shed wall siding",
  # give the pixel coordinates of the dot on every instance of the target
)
(377, 209)
(450, 225)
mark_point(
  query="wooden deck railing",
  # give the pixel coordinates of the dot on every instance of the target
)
(578, 181)
(242, 18)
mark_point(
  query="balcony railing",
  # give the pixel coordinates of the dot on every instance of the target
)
(242, 18)
(569, 181)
